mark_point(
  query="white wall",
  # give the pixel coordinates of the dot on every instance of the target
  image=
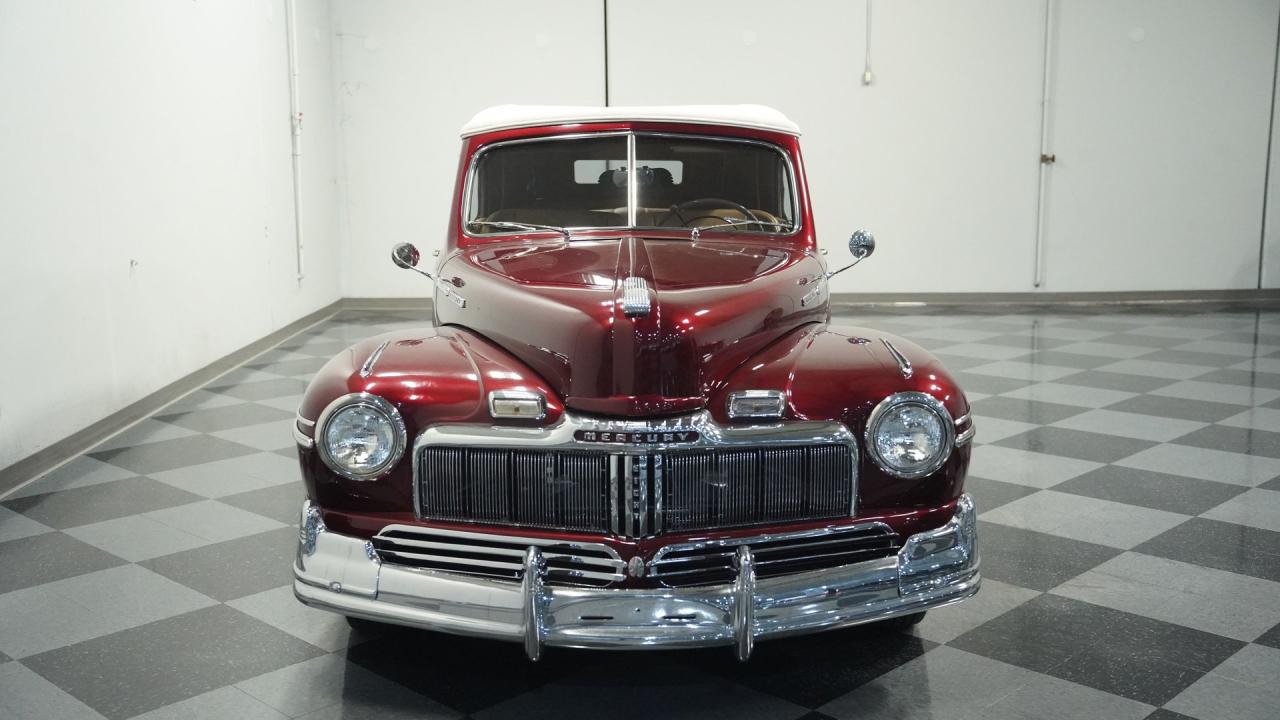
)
(411, 73)
(146, 215)
(1161, 143)
(938, 156)
(1160, 122)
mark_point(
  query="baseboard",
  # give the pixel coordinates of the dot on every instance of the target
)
(43, 461)
(1050, 299)
(368, 303)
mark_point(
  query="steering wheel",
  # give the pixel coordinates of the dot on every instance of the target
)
(708, 203)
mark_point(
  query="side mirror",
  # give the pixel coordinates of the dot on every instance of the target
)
(405, 255)
(862, 244)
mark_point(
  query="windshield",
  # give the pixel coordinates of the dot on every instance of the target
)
(586, 182)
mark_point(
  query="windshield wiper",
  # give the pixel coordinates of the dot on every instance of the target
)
(696, 232)
(522, 226)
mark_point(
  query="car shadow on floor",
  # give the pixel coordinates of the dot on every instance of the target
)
(470, 674)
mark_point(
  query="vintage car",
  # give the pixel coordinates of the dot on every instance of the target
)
(631, 424)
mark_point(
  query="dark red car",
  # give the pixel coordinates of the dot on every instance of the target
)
(632, 425)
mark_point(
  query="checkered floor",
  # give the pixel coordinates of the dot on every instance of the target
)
(1127, 474)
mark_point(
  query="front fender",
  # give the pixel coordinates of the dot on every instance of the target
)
(839, 373)
(431, 375)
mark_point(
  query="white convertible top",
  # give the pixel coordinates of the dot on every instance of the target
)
(505, 117)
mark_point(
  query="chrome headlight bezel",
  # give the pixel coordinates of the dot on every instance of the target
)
(378, 405)
(919, 399)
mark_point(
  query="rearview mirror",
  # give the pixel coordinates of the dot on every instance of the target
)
(405, 255)
(862, 244)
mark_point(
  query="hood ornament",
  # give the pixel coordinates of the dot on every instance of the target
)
(635, 297)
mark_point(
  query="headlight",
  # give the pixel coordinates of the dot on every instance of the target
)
(360, 436)
(910, 434)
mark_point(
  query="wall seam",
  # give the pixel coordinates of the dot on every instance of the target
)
(1266, 174)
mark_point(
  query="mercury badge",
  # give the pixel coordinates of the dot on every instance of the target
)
(643, 437)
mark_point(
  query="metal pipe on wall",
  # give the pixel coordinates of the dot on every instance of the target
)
(1043, 192)
(295, 128)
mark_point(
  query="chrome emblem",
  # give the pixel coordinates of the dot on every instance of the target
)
(635, 567)
(643, 437)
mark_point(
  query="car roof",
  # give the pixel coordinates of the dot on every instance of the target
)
(506, 117)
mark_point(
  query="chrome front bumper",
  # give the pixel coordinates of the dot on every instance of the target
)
(344, 574)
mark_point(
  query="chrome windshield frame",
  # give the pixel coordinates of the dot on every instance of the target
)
(464, 219)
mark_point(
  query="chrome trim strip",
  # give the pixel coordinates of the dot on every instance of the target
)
(302, 440)
(960, 421)
(298, 419)
(518, 395)
(633, 190)
(917, 398)
(732, 542)
(964, 437)
(904, 365)
(367, 368)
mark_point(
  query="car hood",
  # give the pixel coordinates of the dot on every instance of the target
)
(558, 307)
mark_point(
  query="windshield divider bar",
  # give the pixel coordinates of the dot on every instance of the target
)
(633, 195)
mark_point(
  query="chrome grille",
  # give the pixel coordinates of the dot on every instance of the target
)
(636, 494)
(497, 556)
(707, 489)
(712, 562)
(534, 488)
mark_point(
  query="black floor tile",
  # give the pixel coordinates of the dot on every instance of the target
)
(1270, 638)
(45, 558)
(106, 501)
(1027, 411)
(1233, 439)
(1163, 714)
(1035, 560)
(1068, 359)
(137, 670)
(1178, 408)
(1124, 382)
(1246, 378)
(180, 452)
(1188, 496)
(989, 384)
(1221, 545)
(991, 494)
(226, 417)
(263, 389)
(1187, 357)
(235, 568)
(1131, 339)
(813, 670)
(282, 503)
(464, 673)
(1076, 444)
(1117, 652)
(299, 366)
